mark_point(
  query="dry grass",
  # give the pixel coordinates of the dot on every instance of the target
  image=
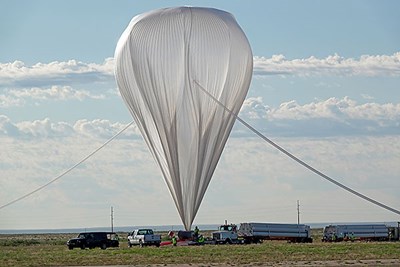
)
(50, 250)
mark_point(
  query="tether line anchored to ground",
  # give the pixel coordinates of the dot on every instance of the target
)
(68, 170)
(326, 177)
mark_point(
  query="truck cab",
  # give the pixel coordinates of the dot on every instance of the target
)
(226, 234)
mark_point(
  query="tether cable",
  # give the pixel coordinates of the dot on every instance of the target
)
(68, 170)
(326, 177)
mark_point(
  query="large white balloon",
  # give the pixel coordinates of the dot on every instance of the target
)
(162, 59)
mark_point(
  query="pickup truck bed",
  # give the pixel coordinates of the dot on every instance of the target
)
(144, 237)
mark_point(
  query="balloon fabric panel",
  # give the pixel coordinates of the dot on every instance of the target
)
(161, 58)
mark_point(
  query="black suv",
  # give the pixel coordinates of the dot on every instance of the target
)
(94, 239)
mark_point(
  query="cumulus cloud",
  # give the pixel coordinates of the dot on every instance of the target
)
(368, 97)
(20, 84)
(366, 65)
(7, 101)
(332, 108)
(47, 129)
(125, 168)
(43, 128)
(20, 97)
(330, 117)
(54, 93)
(17, 74)
(104, 129)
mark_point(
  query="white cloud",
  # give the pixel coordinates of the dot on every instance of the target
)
(331, 117)
(53, 81)
(54, 93)
(21, 97)
(336, 136)
(368, 97)
(47, 129)
(366, 65)
(269, 183)
(17, 74)
(124, 175)
(104, 129)
(7, 101)
(44, 128)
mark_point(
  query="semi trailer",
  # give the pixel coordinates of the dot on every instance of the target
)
(367, 232)
(257, 232)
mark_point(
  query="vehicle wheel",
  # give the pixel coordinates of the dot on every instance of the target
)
(140, 243)
(228, 241)
(129, 244)
(70, 247)
(103, 246)
(83, 246)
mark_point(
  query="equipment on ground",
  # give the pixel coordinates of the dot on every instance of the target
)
(257, 232)
(352, 232)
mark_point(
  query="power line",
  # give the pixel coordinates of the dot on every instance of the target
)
(68, 170)
(326, 177)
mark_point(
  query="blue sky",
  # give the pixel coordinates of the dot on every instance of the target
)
(325, 86)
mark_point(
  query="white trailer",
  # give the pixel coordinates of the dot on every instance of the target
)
(256, 232)
(351, 232)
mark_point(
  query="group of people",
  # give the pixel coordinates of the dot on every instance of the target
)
(197, 237)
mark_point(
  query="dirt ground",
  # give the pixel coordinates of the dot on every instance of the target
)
(355, 263)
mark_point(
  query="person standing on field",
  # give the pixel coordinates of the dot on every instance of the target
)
(196, 233)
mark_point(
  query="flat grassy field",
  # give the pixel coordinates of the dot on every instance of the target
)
(50, 250)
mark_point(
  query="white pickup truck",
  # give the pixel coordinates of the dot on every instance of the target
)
(143, 237)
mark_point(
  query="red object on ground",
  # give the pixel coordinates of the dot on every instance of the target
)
(166, 243)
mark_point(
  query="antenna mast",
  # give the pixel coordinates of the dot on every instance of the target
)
(298, 212)
(112, 219)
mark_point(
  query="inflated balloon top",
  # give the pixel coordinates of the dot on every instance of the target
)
(164, 59)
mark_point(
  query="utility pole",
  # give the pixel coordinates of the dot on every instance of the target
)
(112, 219)
(298, 212)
